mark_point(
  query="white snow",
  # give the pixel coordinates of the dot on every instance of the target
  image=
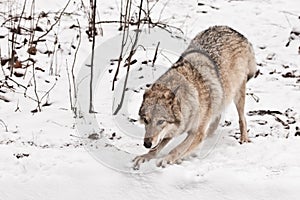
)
(44, 156)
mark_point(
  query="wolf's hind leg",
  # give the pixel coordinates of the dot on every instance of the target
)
(213, 126)
(198, 139)
(239, 101)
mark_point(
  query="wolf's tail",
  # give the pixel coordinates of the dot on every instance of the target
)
(251, 65)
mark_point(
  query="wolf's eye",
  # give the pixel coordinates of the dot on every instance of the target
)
(145, 121)
(160, 122)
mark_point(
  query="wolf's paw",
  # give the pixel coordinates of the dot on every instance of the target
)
(245, 140)
(137, 161)
(168, 160)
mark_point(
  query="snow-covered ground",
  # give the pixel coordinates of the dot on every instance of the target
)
(44, 156)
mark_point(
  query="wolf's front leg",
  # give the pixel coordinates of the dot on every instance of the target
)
(176, 154)
(150, 155)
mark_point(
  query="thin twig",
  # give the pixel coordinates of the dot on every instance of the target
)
(35, 89)
(32, 9)
(70, 86)
(73, 95)
(166, 57)
(124, 40)
(155, 54)
(73, 67)
(91, 107)
(5, 126)
(47, 93)
(52, 26)
(132, 52)
(158, 24)
(121, 15)
(3, 71)
(11, 62)
(162, 10)
(18, 84)
(256, 98)
(21, 16)
(53, 55)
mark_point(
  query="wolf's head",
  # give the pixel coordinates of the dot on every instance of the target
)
(160, 112)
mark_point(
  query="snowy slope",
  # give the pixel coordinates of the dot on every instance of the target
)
(44, 156)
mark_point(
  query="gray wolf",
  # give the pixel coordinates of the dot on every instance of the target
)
(190, 97)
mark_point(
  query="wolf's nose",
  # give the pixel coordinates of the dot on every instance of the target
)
(147, 143)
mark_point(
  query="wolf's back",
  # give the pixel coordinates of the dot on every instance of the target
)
(218, 41)
(232, 54)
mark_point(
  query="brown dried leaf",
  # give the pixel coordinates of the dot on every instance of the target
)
(32, 50)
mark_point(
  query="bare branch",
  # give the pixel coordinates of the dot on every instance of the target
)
(18, 84)
(91, 107)
(155, 54)
(158, 24)
(47, 93)
(73, 67)
(71, 78)
(124, 40)
(35, 90)
(52, 26)
(128, 59)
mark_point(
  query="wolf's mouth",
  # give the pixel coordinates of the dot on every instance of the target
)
(155, 147)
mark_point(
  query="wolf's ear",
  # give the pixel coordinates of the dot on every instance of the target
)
(176, 90)
(171, 94)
